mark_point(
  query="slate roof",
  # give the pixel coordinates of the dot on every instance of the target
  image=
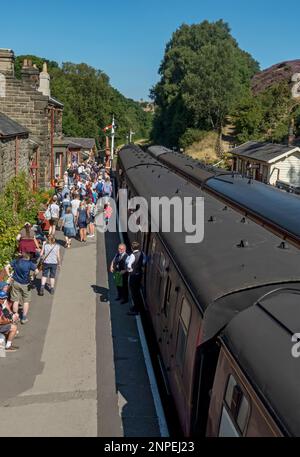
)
(66, 142)
(54, 101)
(264, 152)
(10, 128)
(85, 143)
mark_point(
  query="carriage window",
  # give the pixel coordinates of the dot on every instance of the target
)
(162, 262)
(185, 313)
(237, 407)
(183, 326)
(229, 390)
(243, 414)
(227, 427)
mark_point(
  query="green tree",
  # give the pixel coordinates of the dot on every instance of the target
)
(89, 101)
(203, 75)
(38, 61)
(265, 116)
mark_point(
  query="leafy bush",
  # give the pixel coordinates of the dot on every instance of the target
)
(190, 136)
(18, 204)
(265, 116)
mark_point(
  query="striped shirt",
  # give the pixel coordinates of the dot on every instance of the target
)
(50, 253)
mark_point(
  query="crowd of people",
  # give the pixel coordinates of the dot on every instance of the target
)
(74, 204)
(73, 209)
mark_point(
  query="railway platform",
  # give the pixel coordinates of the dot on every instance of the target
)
(80, 368)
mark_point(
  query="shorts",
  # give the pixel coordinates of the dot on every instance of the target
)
(49, 268)
(20, 293)
(53, 221)
(91, 219)
(5, 328)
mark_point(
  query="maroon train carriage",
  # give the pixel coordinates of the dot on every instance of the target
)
(195, 294)
(256, 386)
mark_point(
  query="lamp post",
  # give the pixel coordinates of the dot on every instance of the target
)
(112, 138)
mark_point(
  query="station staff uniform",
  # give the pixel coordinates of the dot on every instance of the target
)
(134, 264)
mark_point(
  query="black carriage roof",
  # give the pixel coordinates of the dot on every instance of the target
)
(133, 155)
(186, 164)
(280, 208)
(260, 338)
(218, 266)
(157, 151)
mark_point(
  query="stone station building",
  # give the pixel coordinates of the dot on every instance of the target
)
(14, 149)
(28, 102)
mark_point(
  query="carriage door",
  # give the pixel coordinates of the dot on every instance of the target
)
(153, 279)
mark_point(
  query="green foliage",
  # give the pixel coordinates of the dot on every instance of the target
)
(297, 121)
(90, 101)
(18, 204)
(38, 61)
(203, 76)
(190, 136)
(265, 116)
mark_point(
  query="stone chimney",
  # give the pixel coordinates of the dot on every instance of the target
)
(30, 73)
(44, 86)
(7, 62)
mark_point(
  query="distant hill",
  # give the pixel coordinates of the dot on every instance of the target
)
(277, 73)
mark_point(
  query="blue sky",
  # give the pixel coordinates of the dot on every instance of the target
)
(126, 38)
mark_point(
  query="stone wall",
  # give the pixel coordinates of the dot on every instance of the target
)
(8, 159)
(30, 108)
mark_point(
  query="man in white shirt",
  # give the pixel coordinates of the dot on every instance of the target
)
(75, 203)
(54, 211)
(134, 264)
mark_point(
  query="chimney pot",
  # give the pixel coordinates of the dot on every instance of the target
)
(44, 86)
(7, 60)
(30, 74)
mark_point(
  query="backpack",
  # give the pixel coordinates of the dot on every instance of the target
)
(99, 187)
(59, 198)
(107, 188)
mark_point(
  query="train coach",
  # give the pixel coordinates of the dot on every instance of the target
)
(223, 311)
(264, 204)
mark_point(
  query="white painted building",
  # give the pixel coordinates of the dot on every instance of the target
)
(268, 162)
